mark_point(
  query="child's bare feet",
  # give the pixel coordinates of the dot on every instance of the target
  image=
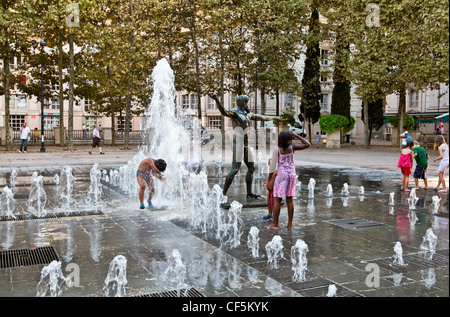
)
(407, 190)
(272, 227)
(290, 227)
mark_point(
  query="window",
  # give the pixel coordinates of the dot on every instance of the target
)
(120, 124)
(324, 55)
(50, 123)
(287, 100)
(211, 104)
(194, 101)
(414, 101)
(21, 102)
(323, 78)
(87, 105)
(324, 102)
(185, 101)
(55, 103)
(16, 122)
(12, 101)
(55, 84)
(215, 123)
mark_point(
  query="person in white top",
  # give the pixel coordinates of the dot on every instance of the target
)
(24, 135)
(96, 139)
(443, 165)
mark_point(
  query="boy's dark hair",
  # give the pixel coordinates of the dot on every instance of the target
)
(161, 165)
(409, 144)
(283, 139)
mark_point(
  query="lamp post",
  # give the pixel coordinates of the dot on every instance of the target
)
(264, 60)
(43, 44)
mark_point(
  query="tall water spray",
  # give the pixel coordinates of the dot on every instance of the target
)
(13, 179)
(344, 190)
(299, 261)
(253, 241)
(38, 197)
(52, 280)
(117, 277)
(311, 185)
(429, 244)
(398, 256)
(274, 250)
(66, 181)
(412, 200)
(7, 203)
(329, 191)
(175, 272)
(95, 188)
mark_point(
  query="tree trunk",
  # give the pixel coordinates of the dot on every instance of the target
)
(6, 59)
(401, 116)
(62, 132)
(71, 83)
(366, 125)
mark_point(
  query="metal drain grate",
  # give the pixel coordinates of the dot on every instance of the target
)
(356, 224)
(27, 257)
(414, 262)
(52, 215)
(192, 292)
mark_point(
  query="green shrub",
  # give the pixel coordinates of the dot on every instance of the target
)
(393, 120)
(334, 122)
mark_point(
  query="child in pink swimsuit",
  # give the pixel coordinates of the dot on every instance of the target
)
(286, 177)
(405, 163)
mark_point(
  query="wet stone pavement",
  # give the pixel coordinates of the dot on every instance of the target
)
(350, 242)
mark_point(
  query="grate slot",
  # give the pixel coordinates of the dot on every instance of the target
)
(192, 292)
(356, 224)
(414, 262)
(51, 215)
(27, 257)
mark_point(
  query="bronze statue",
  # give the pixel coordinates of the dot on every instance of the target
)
(241, 120)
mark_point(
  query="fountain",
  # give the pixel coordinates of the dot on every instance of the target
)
(329, 191)
(311, 185)
(332, 290)
(361, 190)
(274, 250)
(398, 256)
(56, 179)
(52, 280)
(344, 190)
(38, 197)
(429, 244)
(95, 188)
(391, 199)
(299, 261)
(7, 203)
(175, 272)
(66, 188)
(298, 189)
(412, 200)
(435, 202)
(253, 241)
(117, 277)
(233, 227)
(13, 179)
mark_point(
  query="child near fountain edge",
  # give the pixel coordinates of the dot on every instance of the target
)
(146, 169)
(268, 185)
(405, 162)
(286, 178)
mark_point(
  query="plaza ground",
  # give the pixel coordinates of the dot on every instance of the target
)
(338, 255)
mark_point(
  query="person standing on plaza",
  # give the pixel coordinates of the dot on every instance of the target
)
(443, 164)
(84, 131)
(405, 162)
(422, 158)
(96, 140)
(283, 162)
(317, 139)
(405, 136)
(24, 136)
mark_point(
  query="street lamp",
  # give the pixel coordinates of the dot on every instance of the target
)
(43, 44)
(264, 60)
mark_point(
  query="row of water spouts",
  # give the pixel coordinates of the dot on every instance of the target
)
(428, 248)
(37, 199)
(412, 201)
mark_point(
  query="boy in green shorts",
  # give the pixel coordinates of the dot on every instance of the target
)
(422, 157)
